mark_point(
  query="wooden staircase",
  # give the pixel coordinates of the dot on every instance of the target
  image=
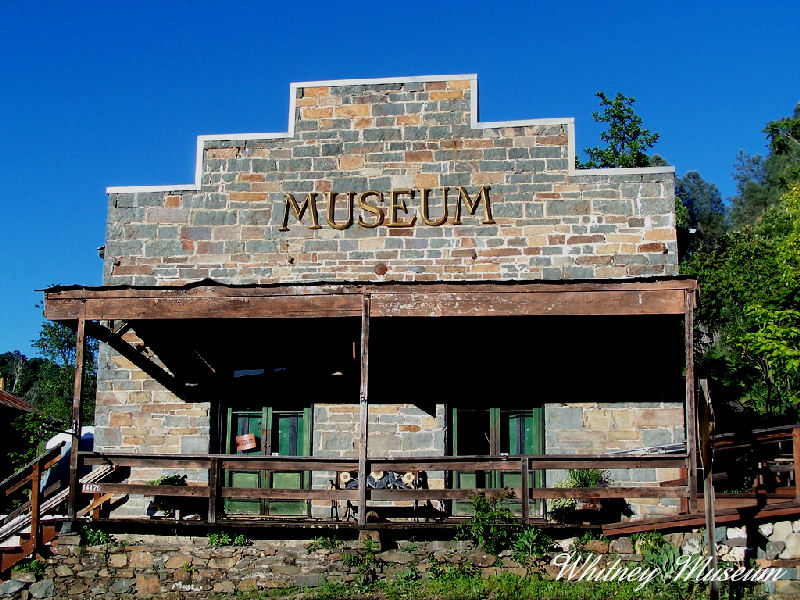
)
(29, 523)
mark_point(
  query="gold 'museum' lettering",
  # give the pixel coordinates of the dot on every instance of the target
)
(370, 204)
(299, 211)
(423, 206)
(401, 205)
(330, 198)
(483, 196)
(371, 208)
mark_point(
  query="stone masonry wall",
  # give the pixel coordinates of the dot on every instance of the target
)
(395, 430)
(551, 222)
(595, 428)
(547, 221)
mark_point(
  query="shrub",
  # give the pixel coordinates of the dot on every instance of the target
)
(490, 525)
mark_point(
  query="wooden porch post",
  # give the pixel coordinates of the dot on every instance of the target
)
(363, 414)
(691, 415)
(77, 405)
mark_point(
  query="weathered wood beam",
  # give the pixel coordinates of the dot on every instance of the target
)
(409, 301)
(77, 406)
(690, 404)
(363, 413)
(169, 381)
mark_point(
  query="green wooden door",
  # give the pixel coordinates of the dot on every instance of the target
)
(492, 432)
(242, 422)
(290, 437)
(288, 433)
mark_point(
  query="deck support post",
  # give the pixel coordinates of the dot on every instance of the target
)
(36, 473)
(691, 412)
(77, 405)
(526, 493)
(213, 489)
(363, 414)
(706, 455)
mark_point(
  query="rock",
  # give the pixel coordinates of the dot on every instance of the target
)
(46, 588)
(396, 556)
(11, 587)
(675, 539)
(64, 571)
(790, 589)
(735, 533)
(121, 586)
(479, 559)
(219, 562)
(68, 539)
(720, 533)
(566, 544)
(773, 549)
(622, 545)
(224, 587)
(792, 549)
(23, 576)
(597, 546)
(765, 529)
(141, 560)
(780, 531)
(736, 554)
(691, 544)
(176, 560)
(366, 534)
(147, 585)
(247, 585)
(310, 580)
(552, 570)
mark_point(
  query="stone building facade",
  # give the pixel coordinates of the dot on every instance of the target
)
(398, 180)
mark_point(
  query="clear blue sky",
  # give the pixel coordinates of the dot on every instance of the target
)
(115, 93)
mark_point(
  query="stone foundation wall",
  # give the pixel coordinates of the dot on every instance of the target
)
(145, 566)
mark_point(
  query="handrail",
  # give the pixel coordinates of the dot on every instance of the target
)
(20, 473)
(522, 464)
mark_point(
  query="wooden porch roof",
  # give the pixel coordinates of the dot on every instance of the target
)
(210, 299)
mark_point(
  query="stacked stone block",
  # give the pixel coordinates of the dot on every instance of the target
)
(550, 222)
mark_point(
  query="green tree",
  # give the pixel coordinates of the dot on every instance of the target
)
(704, 206)
(626, 140)
(748, 314)
(48, 384)
(760, 182)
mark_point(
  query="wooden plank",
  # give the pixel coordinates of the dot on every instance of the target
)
(796, 456)
(358, 289)
(503, 303)
(268, 464)
(284, 494)
(188, 307)
(363, 412)
(95, 504)
(77, 405)
(192, 491)
(523, 467)
(690, 403)
(147, 461)
(611, 492)
(708, 483)
(35, 505)
(397, 300)
(213, 485)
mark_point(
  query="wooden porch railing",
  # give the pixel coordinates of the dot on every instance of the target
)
(25, 519)
(215, 464)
